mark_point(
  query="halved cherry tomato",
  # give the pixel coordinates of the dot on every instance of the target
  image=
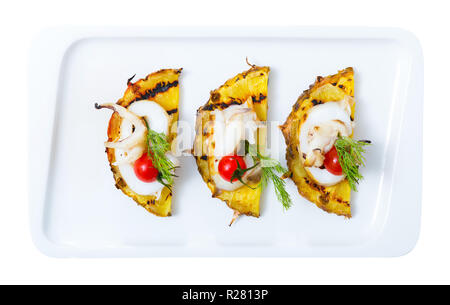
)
(144, 169)
(331, 162)
(228, 164)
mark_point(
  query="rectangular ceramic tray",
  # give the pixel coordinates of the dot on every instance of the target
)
(77, 212)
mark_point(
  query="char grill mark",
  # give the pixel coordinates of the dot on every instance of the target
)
(159, 88)
(222, 105)
(258, 99)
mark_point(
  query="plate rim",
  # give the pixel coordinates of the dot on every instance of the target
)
(45, 66)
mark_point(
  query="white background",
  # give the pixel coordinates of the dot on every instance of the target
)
(20, 262)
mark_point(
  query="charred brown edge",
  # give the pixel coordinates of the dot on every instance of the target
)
(119, 182)
(162, 71)
(212, 105)
(176, 71)
(320, 81)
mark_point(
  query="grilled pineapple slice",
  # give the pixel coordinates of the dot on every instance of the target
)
(237, 90)
(336, 198)
(162, 88)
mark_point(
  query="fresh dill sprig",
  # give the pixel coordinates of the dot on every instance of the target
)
(351, 157)
(270, 173)
(270, 168)
(157, 147)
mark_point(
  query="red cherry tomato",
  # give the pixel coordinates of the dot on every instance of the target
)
(228, 165)
(331, 162)
(144, 169)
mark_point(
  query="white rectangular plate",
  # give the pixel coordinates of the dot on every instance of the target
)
(77, 212)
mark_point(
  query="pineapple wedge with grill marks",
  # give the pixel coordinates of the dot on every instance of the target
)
(333, 199)
(161, 87)
(249, 85)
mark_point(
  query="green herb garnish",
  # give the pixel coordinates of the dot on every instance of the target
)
(270, 167)
(239, 173)
(157, 147)
(351, 157)
(270, 173)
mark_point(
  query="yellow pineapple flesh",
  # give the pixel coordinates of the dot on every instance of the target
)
(161, 87)
(248, 86)
(333, 199)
